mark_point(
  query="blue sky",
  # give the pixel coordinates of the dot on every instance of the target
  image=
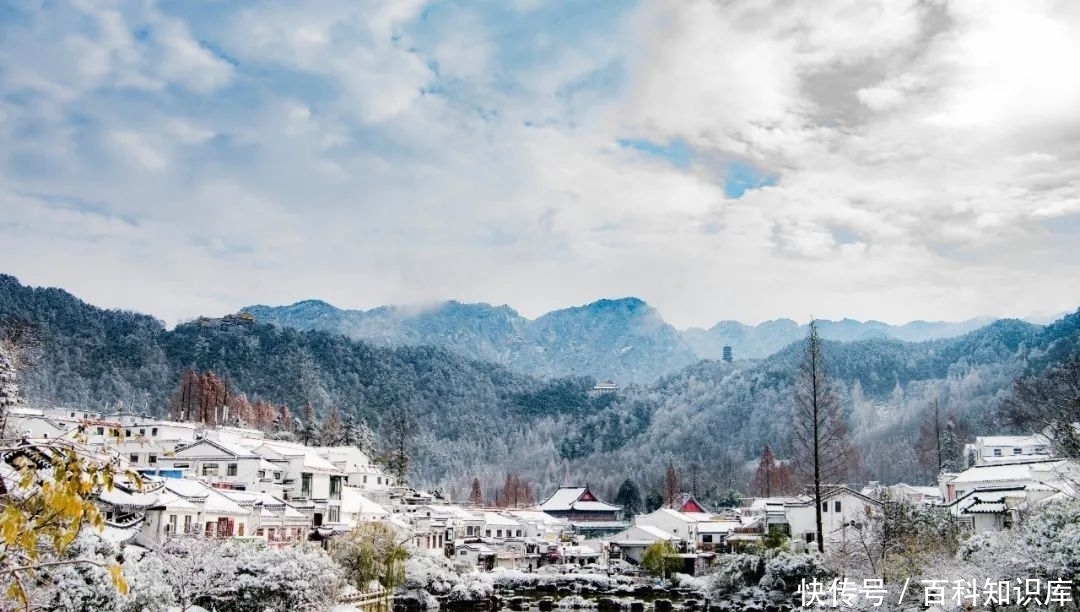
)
(892, 160)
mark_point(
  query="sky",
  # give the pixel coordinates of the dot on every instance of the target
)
(743, 160)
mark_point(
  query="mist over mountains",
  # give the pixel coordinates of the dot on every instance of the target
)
(624, 340)
(481, 419)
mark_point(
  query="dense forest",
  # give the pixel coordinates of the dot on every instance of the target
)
(480, 420)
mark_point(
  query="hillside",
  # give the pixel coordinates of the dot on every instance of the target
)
(482, 419)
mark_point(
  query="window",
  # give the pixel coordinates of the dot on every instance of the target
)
(210, 469)
(277, 475)
(836, 506)
(487, 533)
(498, 533)
(151, 459)
(305, 484)
(181, 466)
(334, 514)
(72, 415)
(231, 469)
(335, 487)
(810, 537)
(134, 457)
(519, 533)
(365, 479)
(142, 432)
(153, 431)
(706, 538)
(462, 552)
(1040, 450)
(240, 530)
(127, 433)
(378, 480)
(101, 431)
(997, 452)
(1017, 451)
(171, 528)
(187, 524)
(262, 473)
(824, 506)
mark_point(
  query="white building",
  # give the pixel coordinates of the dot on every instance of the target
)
(842, 510)
(990, 450)
(680, 525)
(1054, 473)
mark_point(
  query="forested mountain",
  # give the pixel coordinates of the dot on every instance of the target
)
(478, 419)
(622, 340)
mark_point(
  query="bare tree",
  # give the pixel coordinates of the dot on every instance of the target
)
(819, 437)
(771, 477)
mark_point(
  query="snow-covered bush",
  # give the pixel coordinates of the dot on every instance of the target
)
(299, 578)
(470, 590)
(435, 575)
(786, 571)
(733, 574)
(688, 582)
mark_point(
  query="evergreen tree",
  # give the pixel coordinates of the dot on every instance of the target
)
(476, 496)
(308, 429)
(629, 497)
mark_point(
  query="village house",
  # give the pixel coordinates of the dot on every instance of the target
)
(360, 471)
(308, 480)
(586, 514)
(218, 462)
(680, 525)
(1054, 473)
(842, 510)
(630, 544)
(990, 450)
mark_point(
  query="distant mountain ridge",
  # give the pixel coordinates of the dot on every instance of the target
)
(625, 339)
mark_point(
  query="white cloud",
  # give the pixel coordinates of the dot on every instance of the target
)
(280, 151)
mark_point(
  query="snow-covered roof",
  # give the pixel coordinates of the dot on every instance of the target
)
(538, 516)
(686, 518)
(214, 448)
(354, 502)
(312, 460)
(118, 497)
(717, 526)
(566, 499)
(641, 535)
(1014, 441)
(499, 520)
(1012, 472)
(214, 501)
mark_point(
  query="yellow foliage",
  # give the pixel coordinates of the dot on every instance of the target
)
(49, 498)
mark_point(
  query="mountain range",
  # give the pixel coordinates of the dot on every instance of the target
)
(624, 340)
(480, 419)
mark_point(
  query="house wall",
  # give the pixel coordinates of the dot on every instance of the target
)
(802, 519)
(669, 523)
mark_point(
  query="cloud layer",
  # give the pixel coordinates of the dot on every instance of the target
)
(721, 160)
